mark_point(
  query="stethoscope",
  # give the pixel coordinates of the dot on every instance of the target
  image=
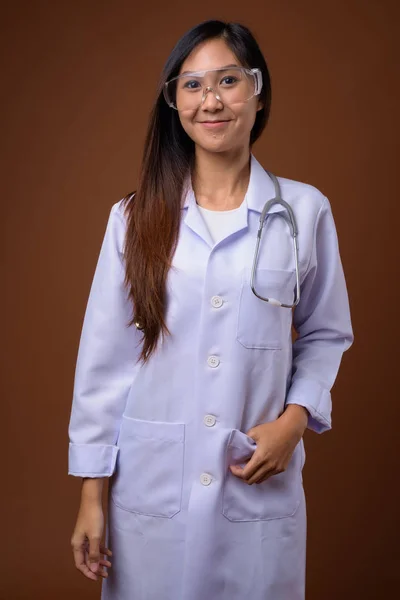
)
(294, 231)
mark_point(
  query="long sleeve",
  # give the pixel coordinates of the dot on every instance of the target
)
(105, 362)
(323, 323)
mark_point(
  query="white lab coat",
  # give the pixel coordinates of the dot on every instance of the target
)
(181, 526)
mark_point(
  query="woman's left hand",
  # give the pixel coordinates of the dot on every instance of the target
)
(276, 441)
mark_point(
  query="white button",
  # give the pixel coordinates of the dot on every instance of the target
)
(205, 478)
(213, 361)
(217, 301)
(209, 420)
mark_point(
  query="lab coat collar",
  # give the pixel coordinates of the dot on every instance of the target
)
(260, 189)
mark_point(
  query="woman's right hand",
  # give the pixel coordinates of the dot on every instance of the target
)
(86, 539)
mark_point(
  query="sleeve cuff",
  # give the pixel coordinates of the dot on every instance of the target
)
(91, 460)
(316, 399)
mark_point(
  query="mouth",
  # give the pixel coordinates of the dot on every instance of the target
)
(214, 124)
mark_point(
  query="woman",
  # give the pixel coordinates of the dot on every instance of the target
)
(190, 394)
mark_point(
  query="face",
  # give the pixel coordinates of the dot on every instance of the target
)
(239, 118)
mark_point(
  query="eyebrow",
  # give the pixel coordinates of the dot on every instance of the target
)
(224, 67)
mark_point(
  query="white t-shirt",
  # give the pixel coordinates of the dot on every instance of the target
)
(219, 222)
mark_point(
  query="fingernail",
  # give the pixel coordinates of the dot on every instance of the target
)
(93, 567)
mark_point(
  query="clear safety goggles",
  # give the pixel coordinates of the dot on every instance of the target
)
(232, 85)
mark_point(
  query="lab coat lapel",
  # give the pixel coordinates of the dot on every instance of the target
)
(259, 191)
(194, 219)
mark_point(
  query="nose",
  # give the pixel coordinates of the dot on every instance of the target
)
(210, 98)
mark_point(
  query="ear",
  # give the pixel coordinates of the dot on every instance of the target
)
(260, 105)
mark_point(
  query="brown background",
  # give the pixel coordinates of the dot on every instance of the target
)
(78, 80)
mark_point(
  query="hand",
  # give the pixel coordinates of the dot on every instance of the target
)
(276, 442)
(86, 538)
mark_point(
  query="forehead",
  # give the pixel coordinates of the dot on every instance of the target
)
(210, 54)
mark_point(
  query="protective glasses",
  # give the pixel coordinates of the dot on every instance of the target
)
(232, 85)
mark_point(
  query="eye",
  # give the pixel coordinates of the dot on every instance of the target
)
(231, 78)
(188, 84)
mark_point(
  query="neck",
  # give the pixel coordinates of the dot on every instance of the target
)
(220, 179)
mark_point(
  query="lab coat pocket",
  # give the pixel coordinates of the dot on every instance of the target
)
(261, 324)
(276, 497)
(149, 469)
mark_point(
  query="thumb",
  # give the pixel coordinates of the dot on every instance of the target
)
(253, 433)
(94, 553)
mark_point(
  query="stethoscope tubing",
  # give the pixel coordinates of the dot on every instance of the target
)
(294, 233)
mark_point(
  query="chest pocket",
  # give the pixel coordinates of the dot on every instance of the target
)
(275, 498)
(149, 469)
(261, 324)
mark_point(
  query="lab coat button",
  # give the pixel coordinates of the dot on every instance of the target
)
(213, 361)
(205, 478)
(217, 301)
(209, 420)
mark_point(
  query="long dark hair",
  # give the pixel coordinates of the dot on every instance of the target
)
(153, 211)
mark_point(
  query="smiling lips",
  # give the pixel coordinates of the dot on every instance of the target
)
(213, 124)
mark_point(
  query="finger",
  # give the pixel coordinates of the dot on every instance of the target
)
(236, 470)
(102, 573)
(272, 471)
(99, 571)
(265, 478)
(80, 563)
(93, 556)
(105, 563)
(101, 562)
(261, 475)
(84, 569)
(251, 467)
(105, 550)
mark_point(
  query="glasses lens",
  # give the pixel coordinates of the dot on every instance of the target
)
(232, 86)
